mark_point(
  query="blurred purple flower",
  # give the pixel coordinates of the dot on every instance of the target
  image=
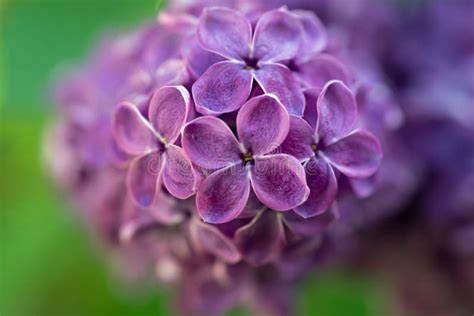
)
(117, 149)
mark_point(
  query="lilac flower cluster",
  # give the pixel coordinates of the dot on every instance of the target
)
(212, 148)
(207, 149)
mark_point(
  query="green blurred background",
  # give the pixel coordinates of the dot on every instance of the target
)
(47, 264)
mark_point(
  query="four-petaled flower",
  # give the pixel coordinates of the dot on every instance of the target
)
(278, 180)
(326, 139)
(226, 85)
(151, 141)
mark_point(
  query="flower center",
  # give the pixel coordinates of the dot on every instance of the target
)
(160, 145)
(251, 63)
(247, 158)
(314, 147)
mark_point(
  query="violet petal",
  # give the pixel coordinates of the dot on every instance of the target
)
(178, 174)
(225, 32)
(209, 143)
(279, 80)
(262, 124)
(144, 178)
(277, 37)
(171, 72)
(197, 58)
(299, 140)
(323, 185)
(322, 68)
(337, 111)
(213, 241)
(279, 181)
(357, 155)
(314, 34)
(168, 111)
(165, 210)
(311, 226)
(261, 240)
(223, 88)
(222, 196)
(311, 110)
(363, 188)
(131, 130)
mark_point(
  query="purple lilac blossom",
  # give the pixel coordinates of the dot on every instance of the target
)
(277, 179)
(158, 160)
(248, 55)
(193, 174)
(331, 143)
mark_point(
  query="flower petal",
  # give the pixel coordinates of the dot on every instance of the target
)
(131, 130)
(135, 221)
(262, 124)
(311, 110)
(222, 196)
(323, 185)
(198, 59)
(311, 226)
(357, 155)
(302, 254)
(168, 111)
(165, 210)
(278, 36)
(225, 32)
(138, 221)
(144, 178)
(171, 72)
(252, 207)
(314, 34)
(322, 68)
(210, 239)
(223, 88)
(202, 292)
(299, 140)
(363, 188)
(337, 111)
(261, 240)
(178, 174)
(279, 181)
(209, 143)
(279, 80)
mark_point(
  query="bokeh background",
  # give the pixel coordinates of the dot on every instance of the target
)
(48, 266)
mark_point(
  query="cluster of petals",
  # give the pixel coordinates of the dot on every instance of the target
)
(218, 144)
(151, 141)
(290, 138)
(277, 179)
(327, 142)
(226, 135)
(249, 54)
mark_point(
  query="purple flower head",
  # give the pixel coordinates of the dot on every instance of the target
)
(249, 54)
(325, 141)
(228, 190)
(151, 141)
(277, 179)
